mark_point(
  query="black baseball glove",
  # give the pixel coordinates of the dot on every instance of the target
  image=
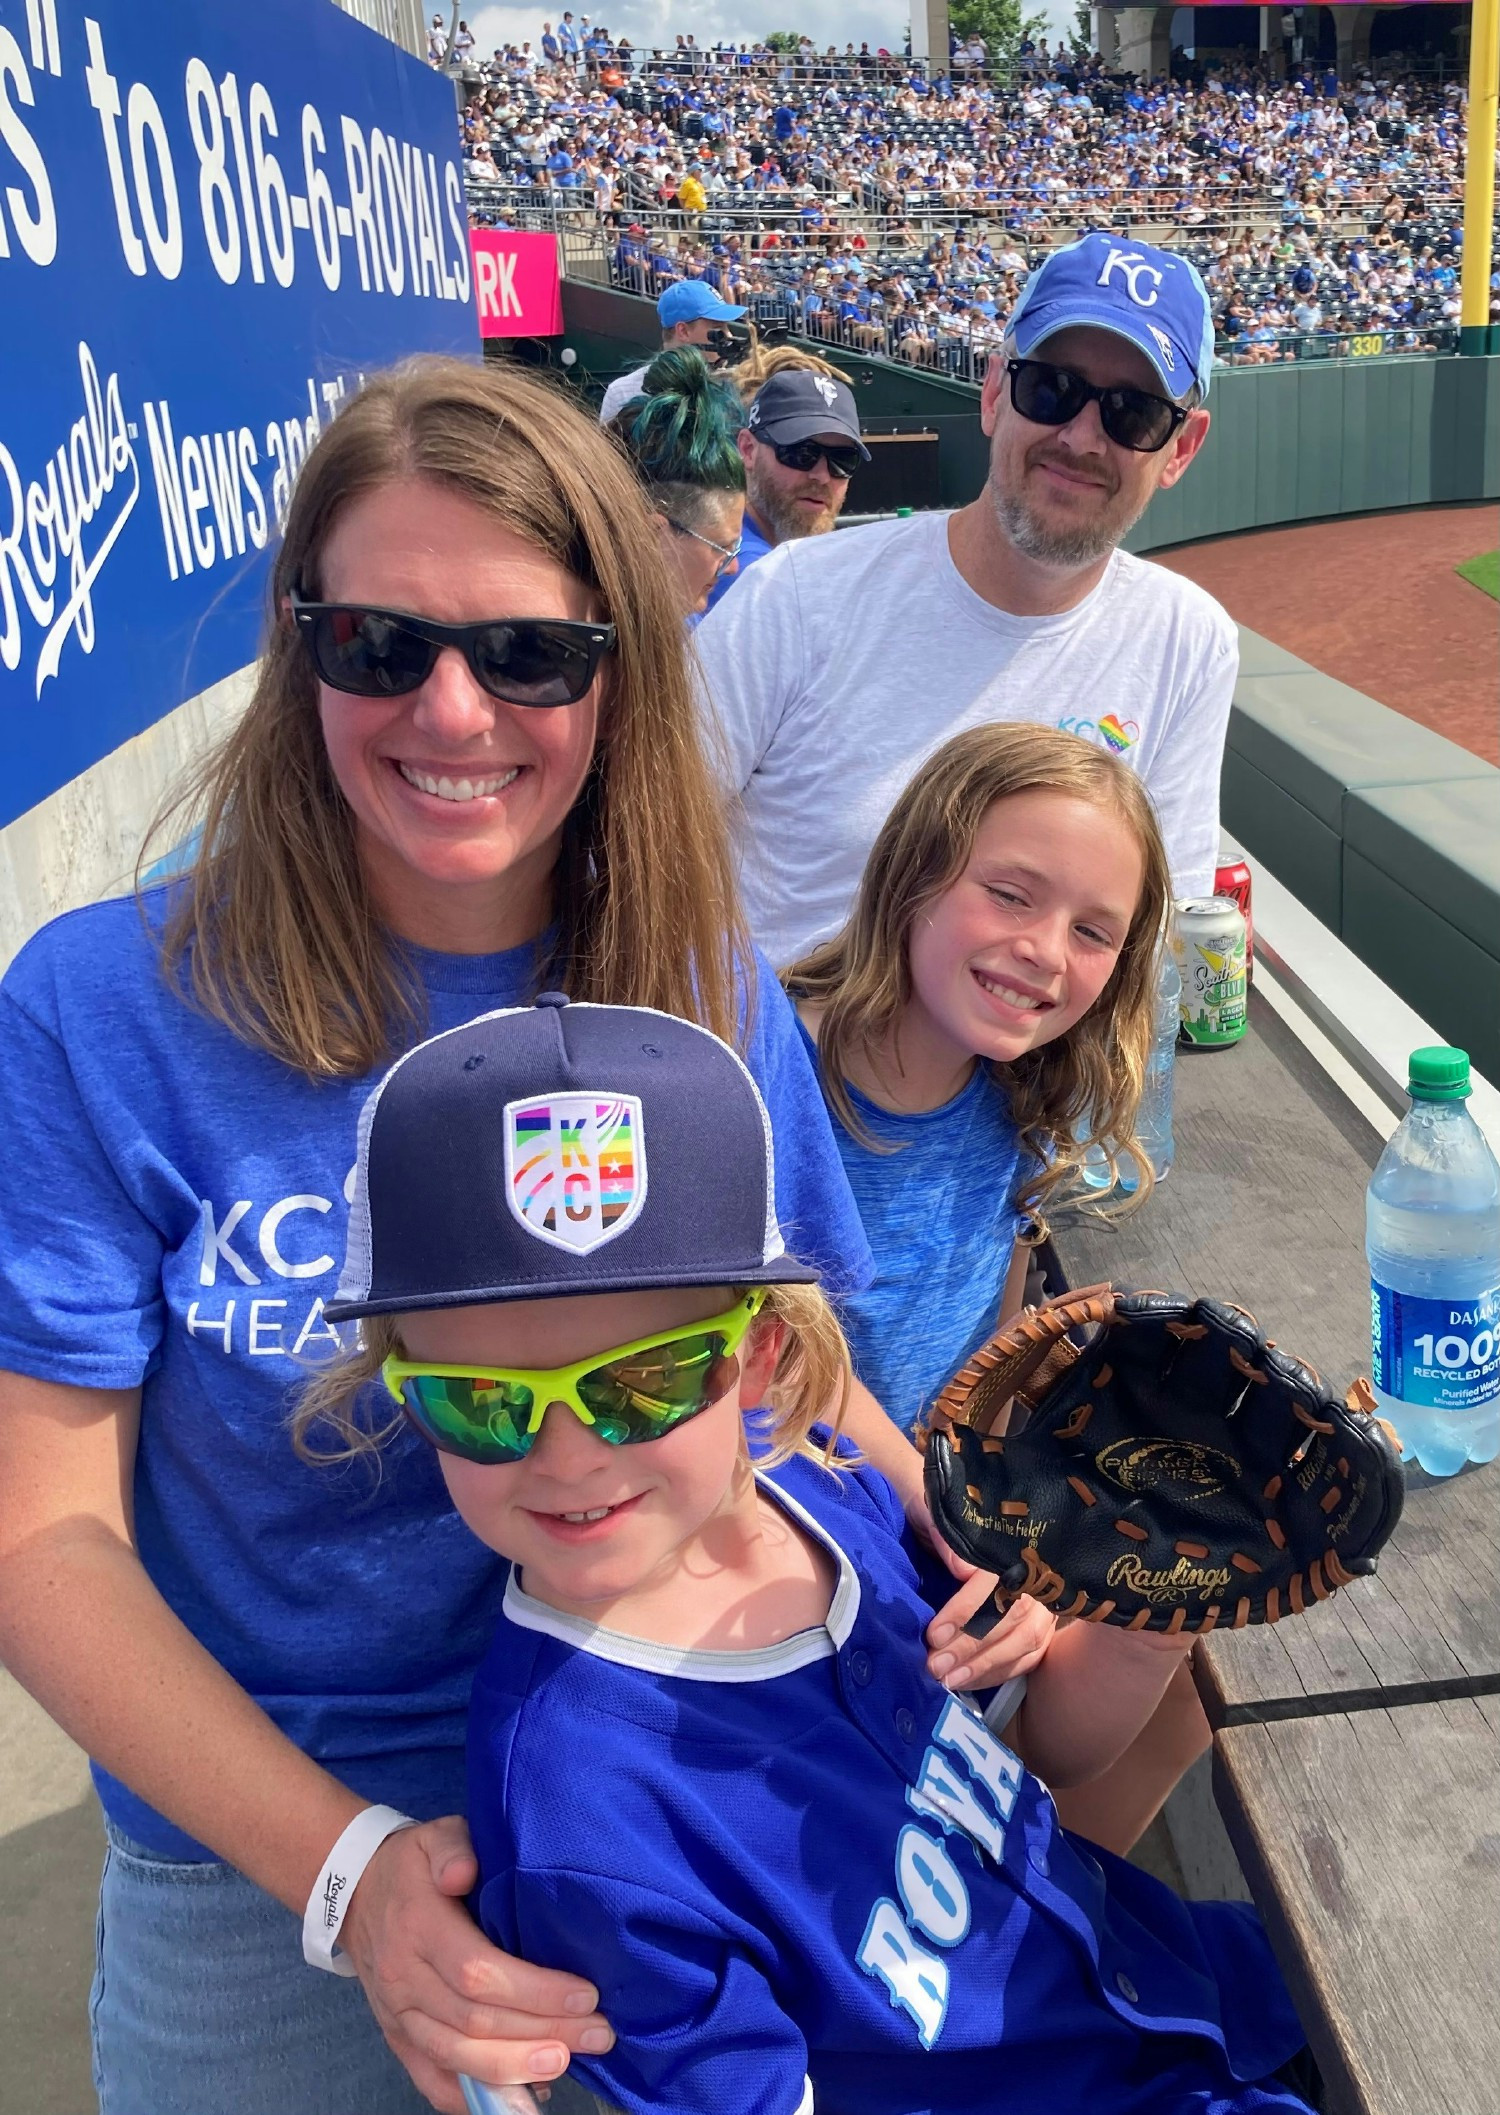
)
(1174, 1471)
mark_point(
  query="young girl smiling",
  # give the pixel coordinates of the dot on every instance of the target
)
(708, 1765)
(988, 1005)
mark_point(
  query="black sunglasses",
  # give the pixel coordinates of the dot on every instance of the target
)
(806, 455)
(376, 653)
(1054, 396)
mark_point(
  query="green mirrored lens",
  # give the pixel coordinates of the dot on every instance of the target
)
(485, 1419)
(642, 1396)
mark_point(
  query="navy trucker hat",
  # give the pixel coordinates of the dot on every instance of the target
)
(561, 1148)
(1152, 297)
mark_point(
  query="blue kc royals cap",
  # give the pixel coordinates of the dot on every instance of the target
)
(690, 300)
(555, 1149)
(1149, 296)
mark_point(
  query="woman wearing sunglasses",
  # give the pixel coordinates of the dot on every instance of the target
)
(470, 769)
(680, 435)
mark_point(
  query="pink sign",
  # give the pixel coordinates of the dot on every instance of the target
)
(516, 284)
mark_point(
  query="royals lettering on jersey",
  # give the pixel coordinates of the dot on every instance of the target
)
(934, 1897)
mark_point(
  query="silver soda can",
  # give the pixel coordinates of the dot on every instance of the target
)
(1208, 941)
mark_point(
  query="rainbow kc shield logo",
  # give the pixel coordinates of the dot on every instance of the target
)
(575, 1167)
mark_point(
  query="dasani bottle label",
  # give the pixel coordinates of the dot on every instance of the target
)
(1440, 1354)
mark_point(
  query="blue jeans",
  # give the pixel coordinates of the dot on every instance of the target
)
(202, 2001)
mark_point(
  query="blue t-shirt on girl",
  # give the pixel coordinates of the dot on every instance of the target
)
(172, 1216)
(940, 1215)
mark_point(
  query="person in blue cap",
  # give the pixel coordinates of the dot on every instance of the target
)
(710, 1767)
(690, 313)
(838, 665)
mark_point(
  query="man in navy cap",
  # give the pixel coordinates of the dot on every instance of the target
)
(840, 665)
(690, 313)
(801, 446)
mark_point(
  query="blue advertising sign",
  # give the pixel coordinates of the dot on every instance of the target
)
(213, 222)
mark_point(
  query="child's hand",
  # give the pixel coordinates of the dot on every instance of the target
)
(1015, 1645)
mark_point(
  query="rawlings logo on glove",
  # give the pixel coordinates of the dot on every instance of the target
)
(1175, 1472)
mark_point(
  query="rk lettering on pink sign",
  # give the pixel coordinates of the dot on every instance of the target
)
(516, 284)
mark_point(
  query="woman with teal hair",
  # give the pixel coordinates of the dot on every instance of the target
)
(680, 435)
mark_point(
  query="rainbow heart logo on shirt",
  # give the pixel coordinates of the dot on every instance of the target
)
(1119, 733)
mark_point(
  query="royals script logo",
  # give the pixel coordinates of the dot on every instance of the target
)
(58, 527)
(575, 1167)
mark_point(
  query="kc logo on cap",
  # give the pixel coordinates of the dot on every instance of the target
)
(575, 1167)
(1133, 267)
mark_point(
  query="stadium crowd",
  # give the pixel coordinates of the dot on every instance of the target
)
(847, 197)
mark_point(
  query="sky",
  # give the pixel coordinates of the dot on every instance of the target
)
(655, 23)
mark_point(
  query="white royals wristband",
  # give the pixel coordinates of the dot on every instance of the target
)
(323, 1918)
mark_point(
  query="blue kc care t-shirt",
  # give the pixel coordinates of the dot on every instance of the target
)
(808, 1881)
(940, 1212)
(172, 1215)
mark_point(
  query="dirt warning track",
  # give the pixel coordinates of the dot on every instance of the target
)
(1374, 601)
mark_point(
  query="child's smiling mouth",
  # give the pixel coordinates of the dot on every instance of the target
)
(580, 1524)
(1012, 994)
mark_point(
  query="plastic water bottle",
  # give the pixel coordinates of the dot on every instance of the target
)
(1153, 1124)
(1432, 1234)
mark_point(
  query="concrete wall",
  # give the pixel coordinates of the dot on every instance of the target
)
(83, 841)
(1388, 833)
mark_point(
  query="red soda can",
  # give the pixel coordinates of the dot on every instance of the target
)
(1232, 879)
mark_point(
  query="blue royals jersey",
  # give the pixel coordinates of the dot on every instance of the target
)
(806, 1878)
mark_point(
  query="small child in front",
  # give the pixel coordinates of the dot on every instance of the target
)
(708, 1766)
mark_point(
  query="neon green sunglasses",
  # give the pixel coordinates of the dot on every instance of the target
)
(636, 1393)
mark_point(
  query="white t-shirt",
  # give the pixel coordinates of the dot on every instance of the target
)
(620, 391)
(840, 663)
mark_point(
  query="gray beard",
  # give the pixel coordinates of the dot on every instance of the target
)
(1063, 550)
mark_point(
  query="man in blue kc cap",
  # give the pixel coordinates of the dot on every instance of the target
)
(690, 313)
(1019, 606)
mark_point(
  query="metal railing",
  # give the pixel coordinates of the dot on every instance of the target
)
(1012, 218)
(961, 349)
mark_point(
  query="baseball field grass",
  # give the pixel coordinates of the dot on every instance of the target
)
(1484, 571)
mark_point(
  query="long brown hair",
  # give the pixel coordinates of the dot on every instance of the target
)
(336, 1420)
(1083, 1088)
(274, 932)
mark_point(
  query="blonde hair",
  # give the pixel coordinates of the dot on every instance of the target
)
(1083, 1088)
(349, 1399)
(763, 361)
(274, 932)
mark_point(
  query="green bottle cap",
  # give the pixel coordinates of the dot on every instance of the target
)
(902, 513)
(1439, 1074)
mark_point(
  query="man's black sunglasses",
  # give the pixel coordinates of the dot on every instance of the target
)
(1054, 396)
(376, 653)
(806, 455)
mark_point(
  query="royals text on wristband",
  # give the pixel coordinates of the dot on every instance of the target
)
(342, 1872)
